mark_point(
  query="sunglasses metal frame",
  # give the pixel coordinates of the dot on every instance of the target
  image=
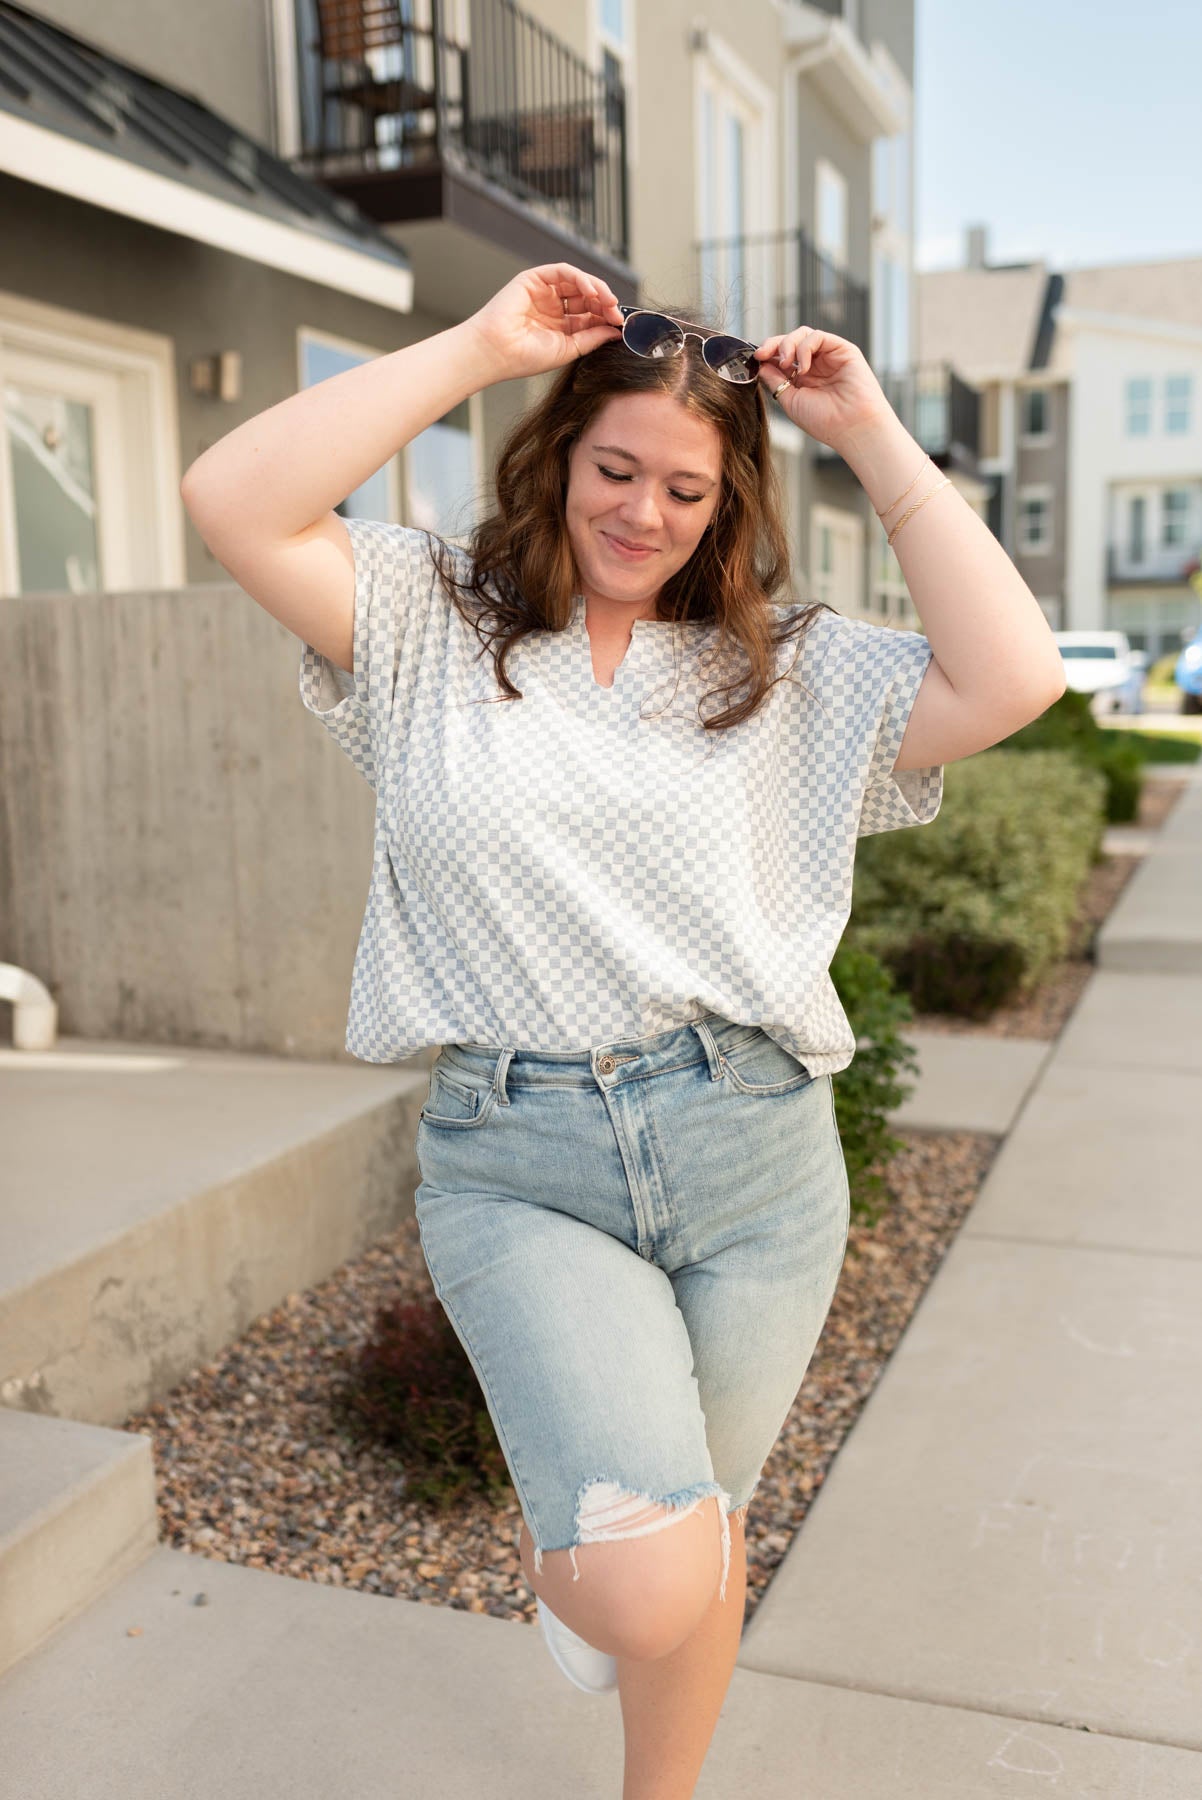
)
(628, 312)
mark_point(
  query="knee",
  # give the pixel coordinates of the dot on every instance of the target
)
(643, 1596)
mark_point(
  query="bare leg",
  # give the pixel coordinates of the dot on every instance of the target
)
(670, 1705)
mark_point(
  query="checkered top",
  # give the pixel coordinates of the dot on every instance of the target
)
(586, 863)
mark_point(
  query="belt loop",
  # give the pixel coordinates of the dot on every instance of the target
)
(499, 1073)
(713, 1055)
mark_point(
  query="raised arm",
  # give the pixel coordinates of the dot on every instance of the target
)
(994, 663)
(263, 497)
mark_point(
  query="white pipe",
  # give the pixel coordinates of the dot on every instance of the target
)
(35, 1012)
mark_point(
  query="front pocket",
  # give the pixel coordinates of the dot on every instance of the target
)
(762, 1066)
(456, 1103)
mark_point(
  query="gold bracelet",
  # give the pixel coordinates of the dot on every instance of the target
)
(913, 484)
(918, 504)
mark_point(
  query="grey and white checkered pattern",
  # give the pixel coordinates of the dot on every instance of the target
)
(586, 863)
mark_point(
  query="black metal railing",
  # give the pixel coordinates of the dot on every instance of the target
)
(940, 410)
(762, 283)
(385, 86)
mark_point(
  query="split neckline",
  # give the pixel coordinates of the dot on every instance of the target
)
(648, 637)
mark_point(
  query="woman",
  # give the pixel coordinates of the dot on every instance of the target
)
(619, 787)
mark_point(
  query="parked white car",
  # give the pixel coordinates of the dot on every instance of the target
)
(1103, 664)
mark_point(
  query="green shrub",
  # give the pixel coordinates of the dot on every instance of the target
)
(870, 1088)
(972, 909)
(1159, 746)
(413, 1389)
(1069, 724)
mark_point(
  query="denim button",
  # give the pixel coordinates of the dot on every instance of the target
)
(607, 1064)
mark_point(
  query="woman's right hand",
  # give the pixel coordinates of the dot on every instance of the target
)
(527, 328)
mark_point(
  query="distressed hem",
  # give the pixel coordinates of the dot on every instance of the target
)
(607, 1512)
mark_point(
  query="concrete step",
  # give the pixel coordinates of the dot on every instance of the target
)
(158, 1200)
(77, 1514)
(277, 1686)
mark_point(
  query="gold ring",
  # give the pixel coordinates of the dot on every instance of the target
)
(778, 391)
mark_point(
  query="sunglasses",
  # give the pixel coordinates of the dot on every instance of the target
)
(655, 334)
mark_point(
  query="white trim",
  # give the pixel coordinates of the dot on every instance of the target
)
(1129, 326)
(49, 159)
(737, 74)
(144, 365)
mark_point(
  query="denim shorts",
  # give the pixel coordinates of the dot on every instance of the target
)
(637, 1246)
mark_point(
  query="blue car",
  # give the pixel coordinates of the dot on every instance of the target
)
(1188, 674)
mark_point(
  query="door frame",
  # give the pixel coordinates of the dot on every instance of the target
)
(141, 530)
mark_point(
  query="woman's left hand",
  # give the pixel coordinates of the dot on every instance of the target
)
(833, 392)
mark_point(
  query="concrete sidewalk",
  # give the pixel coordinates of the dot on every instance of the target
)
(997, 1594)
(1015, 1524)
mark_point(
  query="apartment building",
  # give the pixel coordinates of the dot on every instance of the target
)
(1091, 430)
(1129, 338)
(203, 210)
(217, 206)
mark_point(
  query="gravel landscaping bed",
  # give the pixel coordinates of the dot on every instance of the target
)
(251, 1467)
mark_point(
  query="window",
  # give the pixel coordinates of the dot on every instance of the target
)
(837, 559)
(830, 213)
(1174, 518)
(1137, 514)
(321, 357)
(615, 58)
(892, 249)
(1139, 406)
(1034, 520)
(733, 194)
(1177, 396)
(891, 178)
(890, 597)
(1036, 417)
(440, 475)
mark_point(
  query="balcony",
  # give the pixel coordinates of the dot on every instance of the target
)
(429, 114)
(760, 284)
(1166, 568)
(940, 411)
(821, 45)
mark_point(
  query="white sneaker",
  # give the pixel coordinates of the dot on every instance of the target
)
(589, 1668)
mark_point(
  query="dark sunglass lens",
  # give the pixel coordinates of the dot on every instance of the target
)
(732, 358)
(652, 334)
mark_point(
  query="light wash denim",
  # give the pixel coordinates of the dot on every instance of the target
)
(637, 1246)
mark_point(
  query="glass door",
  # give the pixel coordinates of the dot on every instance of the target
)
(63, 478)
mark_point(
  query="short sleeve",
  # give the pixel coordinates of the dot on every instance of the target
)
(876, 672)
(395, 579)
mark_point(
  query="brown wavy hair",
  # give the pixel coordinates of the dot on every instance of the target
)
(523, 577)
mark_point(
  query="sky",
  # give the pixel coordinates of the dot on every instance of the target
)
(1072, 132)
